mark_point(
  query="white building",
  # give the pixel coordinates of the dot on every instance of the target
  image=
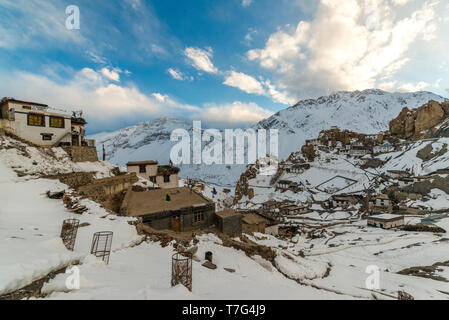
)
(385, 221)
(38, 124)
(166, 177)
(384, 148)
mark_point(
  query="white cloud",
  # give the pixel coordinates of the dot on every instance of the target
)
(201, 59)
(246, 3)
(234, 114)
(103, 102)
(251, 85)
(349, 45)
(178, 75)
(244, 82)
(111, 74)
(412, 87)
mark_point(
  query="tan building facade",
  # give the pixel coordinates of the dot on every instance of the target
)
(166, 177)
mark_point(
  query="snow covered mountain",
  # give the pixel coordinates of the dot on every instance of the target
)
(366, 111)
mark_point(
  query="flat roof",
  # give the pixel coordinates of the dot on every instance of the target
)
(386, 217)
(153, 201)
(227, 213)
(5, 100)
(252, 218)
(138, 163)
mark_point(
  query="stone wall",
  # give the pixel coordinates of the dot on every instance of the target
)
(101, 189)
(230, 226)
(82, 154)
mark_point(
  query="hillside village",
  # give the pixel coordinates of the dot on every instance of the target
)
(344, 201)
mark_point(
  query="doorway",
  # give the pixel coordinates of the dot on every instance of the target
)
(177, 224)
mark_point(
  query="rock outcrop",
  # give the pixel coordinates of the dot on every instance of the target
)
(415, 123)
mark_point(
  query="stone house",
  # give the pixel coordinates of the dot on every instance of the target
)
(383, 201)
(229, 222)
(39, 124)
(252, 223)
(178, 209)
(166, 177)
(342, 201)
(294, 210)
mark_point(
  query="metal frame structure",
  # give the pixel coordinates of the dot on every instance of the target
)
(101, 245)
(69, 231)
(182, 270)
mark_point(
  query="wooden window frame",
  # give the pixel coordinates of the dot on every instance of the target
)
(61, 118)
(142, 168)
(198, 217)
(167, 179)
(36, 114)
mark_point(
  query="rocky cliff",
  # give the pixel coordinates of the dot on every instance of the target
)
(416, 123)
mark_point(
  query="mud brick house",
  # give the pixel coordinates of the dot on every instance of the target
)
(177, 209)
(386, 221)
(342, 201)
(229, 222)
(253, 223)
(294, 210)
(166, 177)
(39, 124)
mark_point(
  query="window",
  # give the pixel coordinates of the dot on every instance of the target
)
(56, 122)
(166, 179)
(142, 168)
(36, 120)
(153, 179)
(47, 136)
(198, 217)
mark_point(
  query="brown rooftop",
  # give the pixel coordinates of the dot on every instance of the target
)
(153, 201)
(139, 163)
(227, 213)
(253, 219)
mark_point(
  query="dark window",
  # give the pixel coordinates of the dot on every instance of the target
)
(47, 136)
(36, 120)
(166, 179)
(26, 107)
(153, 179)
(142, 168)
(198, 216)
(57, 122)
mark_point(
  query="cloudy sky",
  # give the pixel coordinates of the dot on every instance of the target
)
(226, 62)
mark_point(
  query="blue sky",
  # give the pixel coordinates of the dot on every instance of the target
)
(228, 63)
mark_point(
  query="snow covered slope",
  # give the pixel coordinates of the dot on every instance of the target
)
(366, 111)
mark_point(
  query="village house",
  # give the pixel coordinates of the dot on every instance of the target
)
(178, 209)
(384, 148)
(342, 201)
(166, 177)
(229, 222)
(386, 221)
(403, 182)
(39, 124)
(294, 210)
(252, 223)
